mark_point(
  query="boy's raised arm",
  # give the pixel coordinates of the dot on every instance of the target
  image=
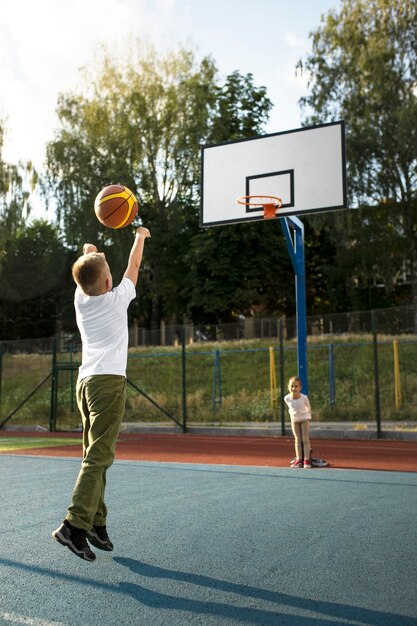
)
(136, 253)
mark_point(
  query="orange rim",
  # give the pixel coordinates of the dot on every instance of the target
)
(248, 200)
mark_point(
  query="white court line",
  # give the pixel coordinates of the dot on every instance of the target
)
(14, 618)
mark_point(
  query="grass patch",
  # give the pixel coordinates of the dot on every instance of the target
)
(8, 444)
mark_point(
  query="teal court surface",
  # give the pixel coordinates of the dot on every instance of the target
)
(212, 545)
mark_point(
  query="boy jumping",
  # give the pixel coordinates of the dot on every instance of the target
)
(101, 314)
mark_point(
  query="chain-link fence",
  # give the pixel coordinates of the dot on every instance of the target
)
(393, 321)
(26, 368)
(223, 373)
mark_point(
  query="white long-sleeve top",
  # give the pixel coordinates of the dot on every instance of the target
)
(299, 408)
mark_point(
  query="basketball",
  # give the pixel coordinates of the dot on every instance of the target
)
(115, 206)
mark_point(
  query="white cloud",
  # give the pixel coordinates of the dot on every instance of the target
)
(293, 41)
(44, 45)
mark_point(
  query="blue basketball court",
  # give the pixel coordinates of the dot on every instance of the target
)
(212, 545)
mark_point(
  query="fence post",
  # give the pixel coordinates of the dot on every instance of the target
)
(1, 369)
(273, 392)
(332, 388)
(52, 415)
(184, 381)
(376, 375)
(217, 381)
(397, 376)
(281, 374)
(72, 385)
(135, 339)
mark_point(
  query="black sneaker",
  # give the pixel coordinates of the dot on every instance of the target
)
(75, 540)
(99, 538)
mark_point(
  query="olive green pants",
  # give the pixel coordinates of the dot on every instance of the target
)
(101, 401)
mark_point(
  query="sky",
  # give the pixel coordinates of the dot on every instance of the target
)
(44, 44)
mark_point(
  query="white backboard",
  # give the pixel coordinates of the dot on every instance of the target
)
(305, 167)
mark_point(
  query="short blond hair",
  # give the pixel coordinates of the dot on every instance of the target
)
(88, 271)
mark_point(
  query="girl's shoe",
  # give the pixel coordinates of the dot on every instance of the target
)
(296, 463)
(307, 463)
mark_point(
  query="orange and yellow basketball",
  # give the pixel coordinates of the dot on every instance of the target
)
(116, 206)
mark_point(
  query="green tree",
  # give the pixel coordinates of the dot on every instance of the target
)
(241, 109)
(362, 68)
(34, 282)
(140, 124)
(143, 124)
(238, 270)
(16, 184)
(21, 277)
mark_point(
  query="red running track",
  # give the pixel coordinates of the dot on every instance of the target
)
(253, 451)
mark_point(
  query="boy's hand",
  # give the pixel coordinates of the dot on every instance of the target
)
(88, 248)
(143, 231)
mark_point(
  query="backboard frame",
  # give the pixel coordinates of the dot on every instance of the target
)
(335, 132)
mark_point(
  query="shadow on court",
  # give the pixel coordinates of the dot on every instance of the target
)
(250, 615)
(256, 617)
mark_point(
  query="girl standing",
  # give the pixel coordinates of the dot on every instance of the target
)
(300, 413)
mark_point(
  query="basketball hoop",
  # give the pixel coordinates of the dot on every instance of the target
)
(270, 208)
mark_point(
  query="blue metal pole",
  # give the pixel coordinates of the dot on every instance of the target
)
(300, 290)
(296, 249)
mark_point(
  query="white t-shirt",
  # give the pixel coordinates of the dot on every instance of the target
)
(299, 408)
(102, 322)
